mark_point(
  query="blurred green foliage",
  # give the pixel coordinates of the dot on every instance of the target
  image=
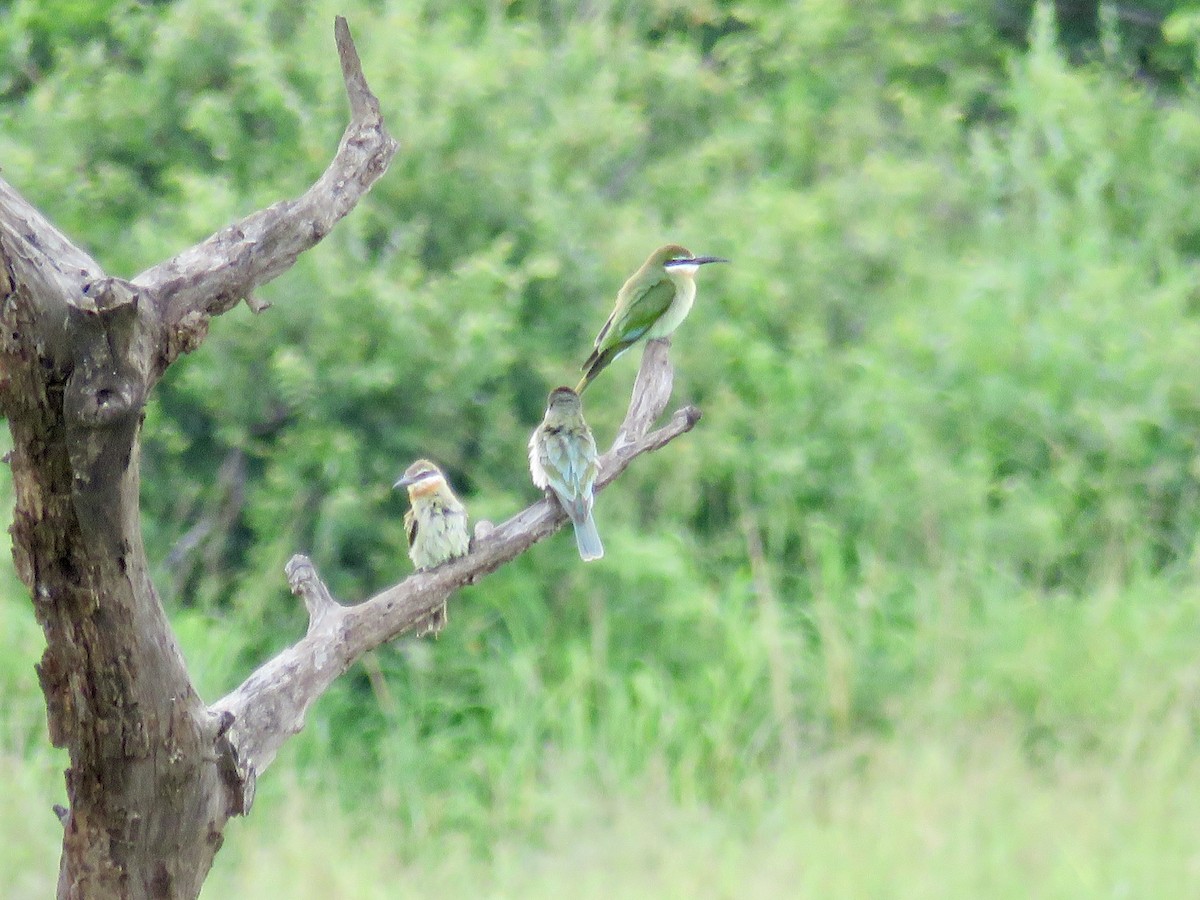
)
(948, 382)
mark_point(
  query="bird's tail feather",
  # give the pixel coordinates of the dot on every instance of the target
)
(587, 363)
(587, 539)
(588, 375)
(596, 363)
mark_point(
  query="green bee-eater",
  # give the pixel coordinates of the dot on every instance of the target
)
(562, 458)
(651, 304)
(436, 524)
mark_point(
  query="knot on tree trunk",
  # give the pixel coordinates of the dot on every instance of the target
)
(103, 401)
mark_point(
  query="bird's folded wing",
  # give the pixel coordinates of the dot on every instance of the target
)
(643, 311)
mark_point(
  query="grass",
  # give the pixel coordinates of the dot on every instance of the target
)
(1048, 749)
(964, 813)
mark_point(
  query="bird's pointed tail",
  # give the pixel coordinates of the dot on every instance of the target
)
(587, 539)
(596, 363)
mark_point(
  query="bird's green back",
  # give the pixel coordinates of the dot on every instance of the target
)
(639, 306)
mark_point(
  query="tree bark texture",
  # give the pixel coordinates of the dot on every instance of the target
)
(155, 773)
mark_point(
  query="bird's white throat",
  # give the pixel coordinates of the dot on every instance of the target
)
(682, 268)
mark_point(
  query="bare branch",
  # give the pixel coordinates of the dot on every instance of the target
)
(651, 391)
(271, 704)
(45, 272)
(307, 585)
(363, 105)
(36, 249)
(211, 277)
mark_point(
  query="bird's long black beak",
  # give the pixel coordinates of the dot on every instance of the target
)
(404, 482)
(705, 260)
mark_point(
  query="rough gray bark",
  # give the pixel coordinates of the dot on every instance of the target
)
(154, 773)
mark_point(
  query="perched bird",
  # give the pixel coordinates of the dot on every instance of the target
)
(651, 304)
(562, 458)
(436, 524)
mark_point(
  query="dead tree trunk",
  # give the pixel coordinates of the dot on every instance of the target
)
(155, 773)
